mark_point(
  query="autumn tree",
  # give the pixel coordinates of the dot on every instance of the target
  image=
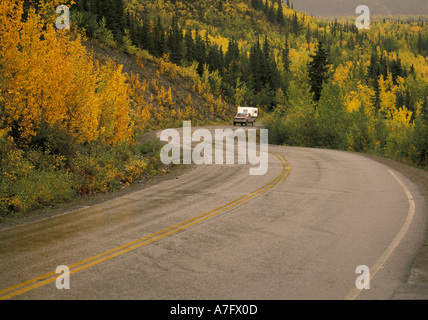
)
(50, 78)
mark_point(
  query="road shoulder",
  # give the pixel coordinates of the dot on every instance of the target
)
(416, 286)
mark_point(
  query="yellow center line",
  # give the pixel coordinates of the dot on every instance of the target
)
(84, 264)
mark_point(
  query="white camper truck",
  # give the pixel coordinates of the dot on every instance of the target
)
(245, 115)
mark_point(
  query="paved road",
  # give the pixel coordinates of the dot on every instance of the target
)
(216, 232)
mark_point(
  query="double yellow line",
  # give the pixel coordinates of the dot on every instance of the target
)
(84, 264)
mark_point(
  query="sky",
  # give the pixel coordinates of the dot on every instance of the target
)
(336, 8)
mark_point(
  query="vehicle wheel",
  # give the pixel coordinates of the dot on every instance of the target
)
(234, 124)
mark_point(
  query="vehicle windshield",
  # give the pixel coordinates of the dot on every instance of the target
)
(241, 114)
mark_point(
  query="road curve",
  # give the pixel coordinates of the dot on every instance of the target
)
(216, 232)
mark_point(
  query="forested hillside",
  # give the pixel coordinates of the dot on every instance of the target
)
(69, 118)
(323, 83)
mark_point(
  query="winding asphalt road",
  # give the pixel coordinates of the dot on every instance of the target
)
(215, 232)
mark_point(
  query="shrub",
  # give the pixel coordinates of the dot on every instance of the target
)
(54, 139)
(28, 183)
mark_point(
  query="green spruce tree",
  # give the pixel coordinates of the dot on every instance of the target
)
(318, 71)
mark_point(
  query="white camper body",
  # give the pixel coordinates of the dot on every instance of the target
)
(254, 112)
(246, 115)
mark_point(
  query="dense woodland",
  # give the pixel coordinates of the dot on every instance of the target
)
(67, 119)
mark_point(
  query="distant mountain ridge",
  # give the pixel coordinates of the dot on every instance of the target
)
(338, 8)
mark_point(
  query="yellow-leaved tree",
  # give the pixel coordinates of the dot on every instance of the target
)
(387, 95)
(47, 76)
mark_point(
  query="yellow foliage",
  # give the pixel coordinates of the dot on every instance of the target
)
(415, 29)
(115, 106)
(164, 98)
(299, 60)
(387, 95)
(362, 97)
(51, 78)
(342, 75)
(402, 116)
(188, 100)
